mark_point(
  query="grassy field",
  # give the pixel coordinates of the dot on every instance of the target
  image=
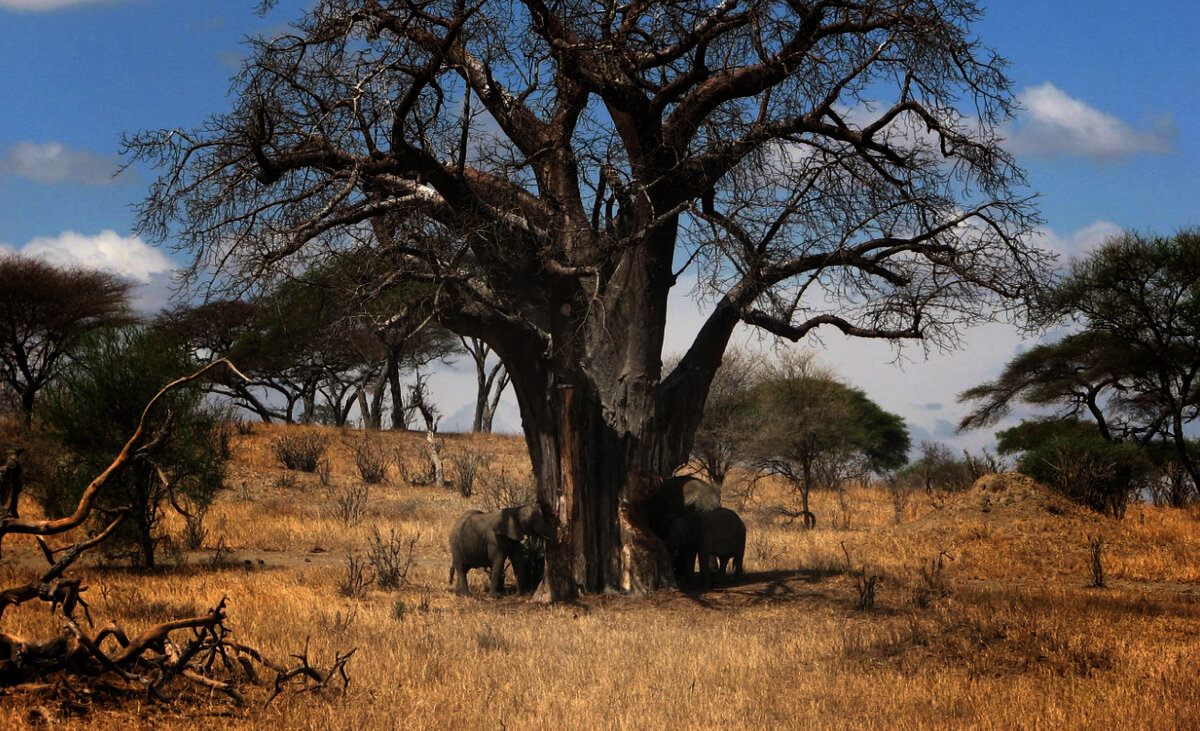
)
(982, 615)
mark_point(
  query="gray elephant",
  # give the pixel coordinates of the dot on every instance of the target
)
(487, 540)
(712, 536)
(677, 496)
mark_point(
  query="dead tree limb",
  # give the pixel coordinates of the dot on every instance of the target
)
(131, 451)
(320, 679)
(151, 660)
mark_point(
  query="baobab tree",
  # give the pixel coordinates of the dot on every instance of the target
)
(552, 171)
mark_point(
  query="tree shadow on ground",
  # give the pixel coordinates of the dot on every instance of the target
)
(762, 587)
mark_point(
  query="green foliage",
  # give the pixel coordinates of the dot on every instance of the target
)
(46, 314)
(937, 469)
(95, 407)
(881, 435)
(1073, 458)
(812, 428)
(1132, 367)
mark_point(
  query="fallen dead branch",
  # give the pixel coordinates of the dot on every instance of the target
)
(162, 662)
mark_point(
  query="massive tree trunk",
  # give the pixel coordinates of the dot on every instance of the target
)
(604, 428)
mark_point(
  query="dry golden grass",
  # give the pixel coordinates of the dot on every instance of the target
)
(1006, 635)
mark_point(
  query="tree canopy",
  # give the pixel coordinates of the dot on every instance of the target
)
(100, 397)
(553, 171)
(818, 432)
(1132, 364)
(46, 312)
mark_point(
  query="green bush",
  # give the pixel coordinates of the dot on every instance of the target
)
(1072, 458)
(95, 406)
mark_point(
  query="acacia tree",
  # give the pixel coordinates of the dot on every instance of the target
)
(306, 339)
(46, 311)
(816, 432)
(1133, 368)
(99, 398)
(553, 170)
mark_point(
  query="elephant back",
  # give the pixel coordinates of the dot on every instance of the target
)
(460, 521)
(724, 530)
(678, 496)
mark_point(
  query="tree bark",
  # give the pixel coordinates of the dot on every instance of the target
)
(489, 413)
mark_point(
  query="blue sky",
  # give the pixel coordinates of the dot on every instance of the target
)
(1109, 135)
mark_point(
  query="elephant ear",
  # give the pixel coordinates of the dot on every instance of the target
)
(510, 527)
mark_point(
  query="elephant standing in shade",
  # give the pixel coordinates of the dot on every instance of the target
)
(677, 496)
(487, 540)
(711, 535)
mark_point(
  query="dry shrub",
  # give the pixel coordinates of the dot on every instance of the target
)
(468, 466)
(505, 488)
(340, 622)
(348, 506)
(302, 452)
(931, 582)
(194, 531)
(390, 558)
(370, 459)
(355, 581)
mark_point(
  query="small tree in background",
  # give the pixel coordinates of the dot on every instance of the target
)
(99, 400)
(817, 432)
(46, 312)
(727, 420)
(936, 470)
(490, 379)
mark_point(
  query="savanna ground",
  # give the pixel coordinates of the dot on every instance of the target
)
(982, 616)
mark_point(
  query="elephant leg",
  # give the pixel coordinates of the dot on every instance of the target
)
(705, 570)
(737, 564)
(497, 588)
(687, 560)
(460, 586)
(722, 562)
(520, 571)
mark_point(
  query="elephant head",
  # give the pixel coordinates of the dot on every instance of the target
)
(677, 496)
(529, 521)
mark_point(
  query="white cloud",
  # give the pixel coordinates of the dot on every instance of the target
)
(1080, 242)
(36, 6)
(53, 163)
(1057, 125)
(108, 250)
(128, 256)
